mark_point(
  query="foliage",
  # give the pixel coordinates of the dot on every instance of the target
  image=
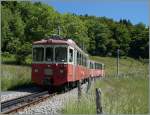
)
(24, 22)
(22, 52)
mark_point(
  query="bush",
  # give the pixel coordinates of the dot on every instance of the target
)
(28, 59)
(22, 52)
(6, 54)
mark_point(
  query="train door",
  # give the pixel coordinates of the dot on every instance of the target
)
(72, 61)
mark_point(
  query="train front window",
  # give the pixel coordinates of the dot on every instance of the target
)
(49, 54)
(38, 54)
(61, 54)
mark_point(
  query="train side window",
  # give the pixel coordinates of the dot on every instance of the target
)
(49, 54)
(78, 58)
(81, 59)
(93, 65)
(70, 55)
(85, 61)
(100, 66)
(90, 65)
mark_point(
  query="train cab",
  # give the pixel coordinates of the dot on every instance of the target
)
(53, 62)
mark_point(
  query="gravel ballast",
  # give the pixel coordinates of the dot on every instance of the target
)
(53, 105)
(7, 95)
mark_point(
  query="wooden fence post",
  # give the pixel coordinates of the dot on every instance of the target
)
(79, 90)
(88, 85)
(98, 101)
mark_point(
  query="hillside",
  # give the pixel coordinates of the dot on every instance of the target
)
(24, 22)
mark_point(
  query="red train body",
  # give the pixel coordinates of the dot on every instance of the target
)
(57, 62)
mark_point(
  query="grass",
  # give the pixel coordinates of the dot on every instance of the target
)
(127, 95)
(124, 94)
(86, 106)
(13, 76)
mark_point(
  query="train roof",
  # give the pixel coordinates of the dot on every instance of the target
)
(58, 41)
(54, 41)
(93, 61)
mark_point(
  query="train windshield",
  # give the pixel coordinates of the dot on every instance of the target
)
(38, 54)
(61, 54)
(49, 54)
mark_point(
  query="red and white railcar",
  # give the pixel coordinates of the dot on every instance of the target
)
(96, 69)
(58, 61)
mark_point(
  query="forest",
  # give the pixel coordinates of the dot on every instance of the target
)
(24, 22)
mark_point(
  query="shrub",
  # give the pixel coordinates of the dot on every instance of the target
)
(22, 52)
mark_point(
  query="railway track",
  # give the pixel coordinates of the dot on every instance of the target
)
(14, 105)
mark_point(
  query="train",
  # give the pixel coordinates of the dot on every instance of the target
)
(58, 62)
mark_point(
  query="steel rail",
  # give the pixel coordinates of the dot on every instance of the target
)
(16, 104)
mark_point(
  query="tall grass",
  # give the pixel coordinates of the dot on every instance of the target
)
(13, 76)
(127, 95)
(124, 94)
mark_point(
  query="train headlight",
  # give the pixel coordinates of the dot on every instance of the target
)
(48, 71)
(36, 70)
(61, 71)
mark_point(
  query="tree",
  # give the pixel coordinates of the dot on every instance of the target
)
(140, 42)
(122, 37)
(41, 23)
(74, 28)
(12, 29)
(6, 33)
(24, 22)
(100, 33)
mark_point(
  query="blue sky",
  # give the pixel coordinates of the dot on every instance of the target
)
(134, 10)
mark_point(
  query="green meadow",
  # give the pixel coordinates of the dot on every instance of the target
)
(123, 94)
(12, 75)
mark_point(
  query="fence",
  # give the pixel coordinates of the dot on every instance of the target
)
(98, 96)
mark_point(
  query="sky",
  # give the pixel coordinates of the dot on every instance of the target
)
(134, 10)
